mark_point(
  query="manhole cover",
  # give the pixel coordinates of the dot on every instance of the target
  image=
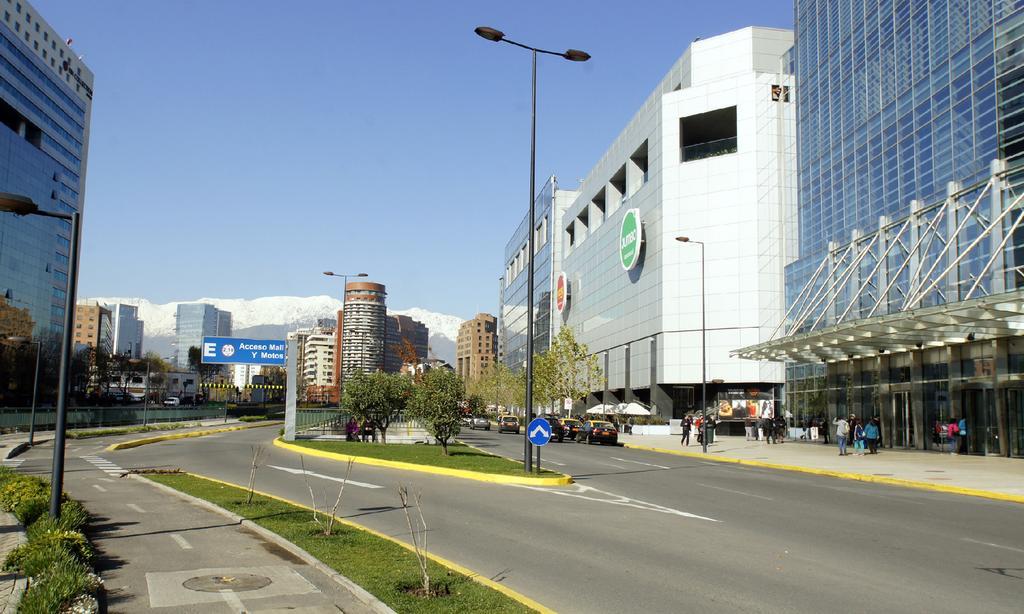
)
(237, 583)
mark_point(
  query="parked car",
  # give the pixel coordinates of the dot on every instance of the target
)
(599, 431)
(508, 424)
(480, 422)
(571, 427)
(466, 421)
(136, 397)
(172, 401)
(557, 432)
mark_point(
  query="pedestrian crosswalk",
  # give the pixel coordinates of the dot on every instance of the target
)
(104, 465)
(13, 463)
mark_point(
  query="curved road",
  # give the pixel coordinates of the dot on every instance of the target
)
(642, 531)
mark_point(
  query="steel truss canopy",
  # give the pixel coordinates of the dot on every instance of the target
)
(942, 275)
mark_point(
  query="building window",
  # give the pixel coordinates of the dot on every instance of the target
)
(708, 134)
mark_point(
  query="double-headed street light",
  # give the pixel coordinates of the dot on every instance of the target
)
(341, 327)
(35, 384)
(573, 55)
(703, 349)
(22, 205)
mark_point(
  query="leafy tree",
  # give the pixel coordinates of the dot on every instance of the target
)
(497, 385)
(435, 403)
(567, 370)
(380, 397)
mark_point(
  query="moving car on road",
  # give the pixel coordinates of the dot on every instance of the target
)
(480, 422)
(557, 432)
(571, 427)
(508, 424)
(599, 431)
(172, 401)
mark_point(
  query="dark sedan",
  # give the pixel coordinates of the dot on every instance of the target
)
(571, 427)
(557, 432)
(599, 431)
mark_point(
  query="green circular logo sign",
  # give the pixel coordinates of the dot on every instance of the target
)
(630, 239)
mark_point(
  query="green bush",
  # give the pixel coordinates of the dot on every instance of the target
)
(58, 585)
(20, 488)
(252, 418)
(29, 510)
(6, 473)
(33, 561)
(73, 515)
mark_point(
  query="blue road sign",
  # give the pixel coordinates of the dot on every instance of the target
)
(235, 351)
(538, 432)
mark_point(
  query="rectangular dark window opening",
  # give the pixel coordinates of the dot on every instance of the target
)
(618, 181)
(708, 134)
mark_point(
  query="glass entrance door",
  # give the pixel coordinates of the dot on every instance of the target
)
(901, 435)
(982, 427)
(1015, 413)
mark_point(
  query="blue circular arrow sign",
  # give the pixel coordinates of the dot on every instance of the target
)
(538, 432)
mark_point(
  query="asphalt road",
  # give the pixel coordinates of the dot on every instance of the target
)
(642, 531)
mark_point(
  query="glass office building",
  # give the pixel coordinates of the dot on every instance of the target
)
(904, 301)
(45, 102)
(548, 208)
(193, 321)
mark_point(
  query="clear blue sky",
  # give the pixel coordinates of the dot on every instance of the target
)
(241, 147)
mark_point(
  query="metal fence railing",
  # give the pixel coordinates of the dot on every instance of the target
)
(320, 421)
(18, 418)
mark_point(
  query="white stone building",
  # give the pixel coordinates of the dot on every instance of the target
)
(710, 155)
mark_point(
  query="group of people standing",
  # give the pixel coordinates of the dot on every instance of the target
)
(354, 431)
(862, 434)
(690, 424)
(952, 433)
(773, 430)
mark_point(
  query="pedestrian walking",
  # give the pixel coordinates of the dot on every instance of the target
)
(824, 427)
(962, 427)
(686, 424)
(858, 437)
(780, 429)
(953, 435)
(842, 431)
(871, 434)
(748, 427)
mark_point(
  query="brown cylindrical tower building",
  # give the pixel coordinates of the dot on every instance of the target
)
(359, 344)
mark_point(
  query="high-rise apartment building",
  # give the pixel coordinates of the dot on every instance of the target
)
(316, 351)
(361, 330)
(904, 301)
(45, 104)
(128, 329)
(93, 327)
(193, 321)
(402, 329)
(476, 348)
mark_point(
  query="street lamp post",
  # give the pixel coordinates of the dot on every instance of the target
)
(573, 55)
(145, 400)
(22, 205)
(341, 329)
(703, 349)
(35, 385)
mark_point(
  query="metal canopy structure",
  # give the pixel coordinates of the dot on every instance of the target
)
(942, 273)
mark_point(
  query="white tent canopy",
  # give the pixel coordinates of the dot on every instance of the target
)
(602, 409)
(631, 409)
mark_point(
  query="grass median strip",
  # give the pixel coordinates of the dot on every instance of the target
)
(381, 566)
(128, 430)
(460, 456)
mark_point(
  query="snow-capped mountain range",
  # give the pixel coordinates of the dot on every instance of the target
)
(280, 312)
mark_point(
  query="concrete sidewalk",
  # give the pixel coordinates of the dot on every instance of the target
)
(1002, 476)
(161, 553)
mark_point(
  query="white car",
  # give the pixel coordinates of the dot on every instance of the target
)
(136, 397)
(172, 401)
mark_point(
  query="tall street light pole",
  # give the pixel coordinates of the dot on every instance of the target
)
(35, 385)
(573, 55)
(341, 328)
(703, 350)
(22, 205)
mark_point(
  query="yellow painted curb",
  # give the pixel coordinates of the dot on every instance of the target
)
(472, 575)
(125, 445)
(844, 475)
(494, 478)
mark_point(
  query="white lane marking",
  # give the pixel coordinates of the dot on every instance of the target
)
(626, 460)
(1001, 547)
(580, 491)
(103, 464)
(99, 488)
(181, 541)
(108, 480)
(233, 601)
(138, 509)
(12, 462)
(736, 492)
(324, 477)
(611, 465)
(548, 461)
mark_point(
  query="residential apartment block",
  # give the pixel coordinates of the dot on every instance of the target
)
(476, 348)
